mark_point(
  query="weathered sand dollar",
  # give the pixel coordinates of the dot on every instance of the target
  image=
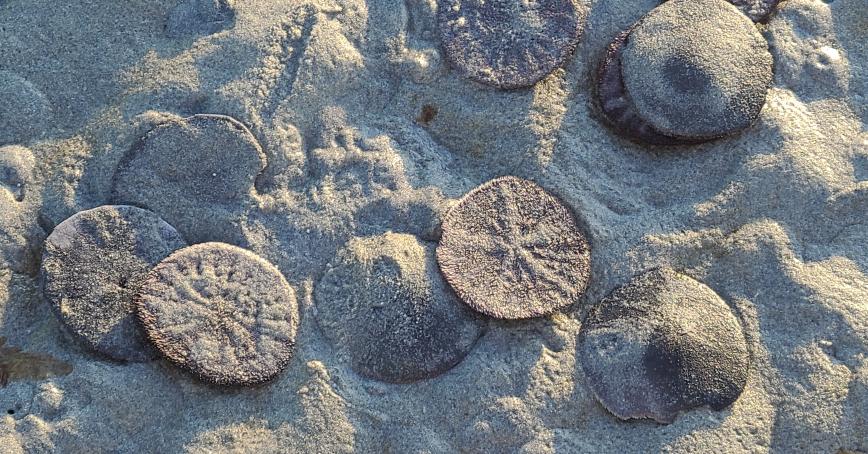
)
(509, 43)
(696, 69)
(512, 250)
(92, 267)
(200, 17)
(662, 344)
(194, 172)
(220, 312)
(24, 110)
(389, 313)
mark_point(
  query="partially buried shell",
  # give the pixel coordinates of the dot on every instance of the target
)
(687, 72)
(389, 313)
(93, 265)
(662, 344)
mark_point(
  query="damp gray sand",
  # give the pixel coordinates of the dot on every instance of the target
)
(366, 126)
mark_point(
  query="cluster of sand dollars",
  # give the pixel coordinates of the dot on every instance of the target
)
(397, 308)
(124, 281)
(687, 72)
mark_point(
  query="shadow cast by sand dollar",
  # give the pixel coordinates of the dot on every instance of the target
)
(662, 344)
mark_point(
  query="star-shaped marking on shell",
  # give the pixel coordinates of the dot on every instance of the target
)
(512, 250)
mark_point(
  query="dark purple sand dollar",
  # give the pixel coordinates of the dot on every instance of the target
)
(756, 10)
(94, 263)
(387, 310)
(194, 172)
(687, 72)
(24, 110)
(512, 250)
(220, 312)
(200, 17)
(662, 344)
(509, 43)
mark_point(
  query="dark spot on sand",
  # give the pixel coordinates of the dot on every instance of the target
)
(429, 112)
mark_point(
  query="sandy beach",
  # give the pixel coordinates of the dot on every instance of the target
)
(342, 134)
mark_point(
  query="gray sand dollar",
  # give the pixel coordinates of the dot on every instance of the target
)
(24, 110)
(662, 344)
(696, 69)
(509, 43)
(512, 250)
(92, 267)
(220, 312)
(195, 172)
(389, 313)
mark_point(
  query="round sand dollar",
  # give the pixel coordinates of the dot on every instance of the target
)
(696, 69)
(220, 312)
(93, 265)
(195, 172)
(387, 310)
(512, 250)
(24, 110)
(662, 344)
(509, 43)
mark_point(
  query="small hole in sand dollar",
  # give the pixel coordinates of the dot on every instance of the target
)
(10, 411)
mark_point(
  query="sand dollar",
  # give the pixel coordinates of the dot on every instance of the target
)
(25, 111)
(662, 344)
(220, 312)
(509, 43)
(92, 267)
(512, 250)
(387, 310)
(196, 173)
(696, 69)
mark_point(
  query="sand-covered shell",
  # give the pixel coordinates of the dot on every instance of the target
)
(687, 72)
(195, 172)
(93, 265)
(388, 312)
(662, 344)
